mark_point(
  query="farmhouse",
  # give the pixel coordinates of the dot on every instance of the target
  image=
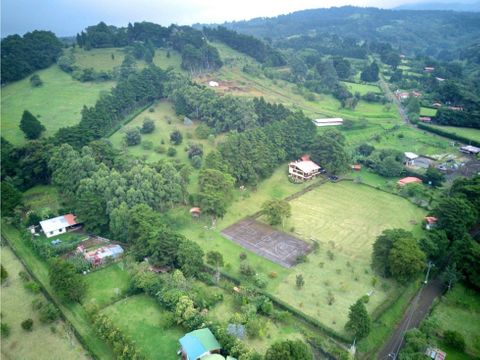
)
(195, 212)
(99, 256)
(410, 158)
(328, 122)
(356, 167)
(425, 119)
(435, 354)
(409, 180)
(437, 104)
(59, 225)
(428, 69)
(402, 95)
(416, 93)
(303, 169)
(431, 222)
(469, 149)
(199, 345)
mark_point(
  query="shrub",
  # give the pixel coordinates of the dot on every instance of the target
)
(454, 339)
(4, 330)
(3, 274)
(260, 281)
(242, 256)
(176, 137)
(27, 325)
(35, 81)
(196, 162)
(301, 259)
(37, 304)
(24, 275)
(171, 152)
(203, 131)
(133, 137)
(365, 299)
(148, 126)
(272, 274)
(246, 269)
(299, 281)
(32, 286)
(49, 313)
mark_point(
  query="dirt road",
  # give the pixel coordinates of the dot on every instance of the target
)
(415, 313)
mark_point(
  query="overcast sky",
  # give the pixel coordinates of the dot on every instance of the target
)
(67, 17)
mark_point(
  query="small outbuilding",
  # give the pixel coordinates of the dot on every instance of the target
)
(425, 119)
(435, 354)
(99, 256)
(409, 180)
(198, 345)
(195, 212)
(328, 122)
(356, 167)
(59, 225)
(213, 84)
(469, 149)
(410, 158)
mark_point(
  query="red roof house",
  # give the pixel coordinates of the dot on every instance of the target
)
(431, 222)
(409, 180)
(425, 119)
(357, 167)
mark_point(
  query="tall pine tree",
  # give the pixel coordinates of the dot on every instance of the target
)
(31, 126)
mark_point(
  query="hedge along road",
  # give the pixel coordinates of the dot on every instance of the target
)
(73, 313)
(415, 313)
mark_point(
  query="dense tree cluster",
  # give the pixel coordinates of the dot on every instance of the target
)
(23, 55)
(359, 322)
(138, 89)
(330, 152)
(65, 281)
(246, 44)
(30, 125)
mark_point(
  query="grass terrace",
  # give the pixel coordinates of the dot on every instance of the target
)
(425, 111)
(469, 133)
(56, 104)
(361, 88)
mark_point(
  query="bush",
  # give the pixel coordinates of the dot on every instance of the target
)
(35, 81)
(203, 131)
(24, 275)
(49, 313)
(171, 152)
(246, 269)
(133, 137)
(27, 325)
(260, 281)
(3, 274)
(32, 286)
(243, 256)
(176, 137)
(454, 339)
(4, 330)
(196, 162)
(148, 126)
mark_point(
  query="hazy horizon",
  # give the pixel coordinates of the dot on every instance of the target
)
(66, 18)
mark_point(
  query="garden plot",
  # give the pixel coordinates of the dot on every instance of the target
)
(264, 240)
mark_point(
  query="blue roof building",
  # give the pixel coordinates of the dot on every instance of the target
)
(198, 344)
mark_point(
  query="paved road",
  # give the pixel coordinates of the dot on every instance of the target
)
(416, 312)
(394, 99)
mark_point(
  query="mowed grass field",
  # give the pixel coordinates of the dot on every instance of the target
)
(46, 341)
(361, 88)
(469, 133)
(148, 325)
(102, 60)
(425, 111)
(345, 219)
(459, 310)
(57, 103)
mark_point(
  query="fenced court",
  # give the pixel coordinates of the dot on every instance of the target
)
(265, 241)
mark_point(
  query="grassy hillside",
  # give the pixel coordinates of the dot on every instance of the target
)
(468, 133)
(58, 103)
(45, 341)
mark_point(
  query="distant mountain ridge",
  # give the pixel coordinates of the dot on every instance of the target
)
(467, 7)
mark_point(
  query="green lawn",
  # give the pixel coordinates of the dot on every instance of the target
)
(361, 88)
(345, 219)
(42, 199)
(468, 133)
(74, 313)
(107, 284)
(45, 341)
(142, 319)
(101, 59)
(58, 103)
(459, 310)
(425, 111)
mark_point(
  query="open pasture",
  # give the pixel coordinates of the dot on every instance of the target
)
(142, 319)
(57, 103)
(45, 341)
(344, 219)
(266, 241)
(361, 88)
(425, 111)
(468, 133)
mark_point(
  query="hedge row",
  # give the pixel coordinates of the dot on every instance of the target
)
(449, 135)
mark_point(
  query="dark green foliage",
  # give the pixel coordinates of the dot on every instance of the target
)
(382, 247)
(190, 258)
(365, 149)
(11, 198)
(454, 339)
(133, 137)
(215, 194)
(176, 137)
(299, 281)
(405, 260)
(148, 126)
(455, 216)
(342, 67)
(35, 80)
(32, 286)
(435, 244)
(448, 134)
(65, 281)
(415, 345)
(386, 162)
(329, 151)
(288, 350)
(370, 73)
(246, 269)
(27, 325)
(246, 44)
(215, 258)
(276, 211)
(23, 55)
(49, 313)
(434, 176)
(31, 126)
(203, 131)
(3, 274)
(171, 152)
(33, 219)
(359, 322)
(4, 330)
(195, 150)
(466, 118)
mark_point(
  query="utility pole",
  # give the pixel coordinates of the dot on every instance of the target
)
(430, 265)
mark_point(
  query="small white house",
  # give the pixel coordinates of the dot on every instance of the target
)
(410, 158)
(58, 225)
(213, 84)
(328, 122)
